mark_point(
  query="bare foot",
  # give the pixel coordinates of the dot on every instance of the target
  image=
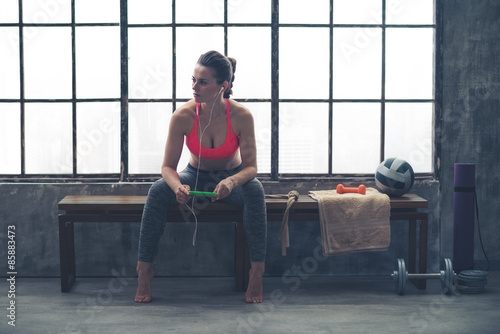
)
(254, 291)
(145, 276)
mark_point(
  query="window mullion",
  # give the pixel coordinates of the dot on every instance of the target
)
(275, 91)
(382, 93)
(225, 29)
(73, 83)
(438, 83)
(330, 98)
(124, 91)
(21, 90)
(174, 59)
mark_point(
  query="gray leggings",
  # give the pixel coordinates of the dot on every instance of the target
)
(250, 196)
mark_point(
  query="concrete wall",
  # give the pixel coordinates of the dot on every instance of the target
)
(471, 115)
(466, 131)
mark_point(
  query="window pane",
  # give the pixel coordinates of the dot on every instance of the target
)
(251, 67)
(150, 62)
(47, 64)
(409, 69)
(10, 138)
(299, 11)
(97, 62)
(408, 133)
(304, 63)
(98, 138)
(191, 43)
(255, 11)
(9, 63)
(410, 12)
(357, 63)
(150, 11)
(262, 123)
(49, 148)
(47, 12)
(199, 11)
(303, 144)
(361, 155)
(10, 11)
(97, 11)
(148, 129)
(357, 12)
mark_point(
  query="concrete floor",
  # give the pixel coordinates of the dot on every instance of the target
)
(210, 305)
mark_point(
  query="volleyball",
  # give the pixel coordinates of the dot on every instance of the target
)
(394, 177)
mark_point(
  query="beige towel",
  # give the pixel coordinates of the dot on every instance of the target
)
(292, 196)
(353, 222)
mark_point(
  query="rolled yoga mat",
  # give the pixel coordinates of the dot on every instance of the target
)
(463, 217)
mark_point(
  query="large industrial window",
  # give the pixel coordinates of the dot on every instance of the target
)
(87, 87)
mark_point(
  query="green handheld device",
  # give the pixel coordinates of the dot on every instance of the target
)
(202, 193)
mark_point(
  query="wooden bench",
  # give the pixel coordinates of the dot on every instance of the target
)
(104, 209)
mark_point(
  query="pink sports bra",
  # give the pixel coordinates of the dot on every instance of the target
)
(228, 149)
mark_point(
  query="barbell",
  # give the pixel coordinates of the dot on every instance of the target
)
(446, 276)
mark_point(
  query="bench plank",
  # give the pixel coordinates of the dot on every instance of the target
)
(132, 203)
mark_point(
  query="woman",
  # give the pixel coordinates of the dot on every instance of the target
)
(219, 133)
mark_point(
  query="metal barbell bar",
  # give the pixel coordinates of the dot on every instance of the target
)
(401, 275)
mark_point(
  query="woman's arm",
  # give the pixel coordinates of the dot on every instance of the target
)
(248, 150)
(173, 149)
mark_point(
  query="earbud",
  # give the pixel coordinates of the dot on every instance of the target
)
(222, 88)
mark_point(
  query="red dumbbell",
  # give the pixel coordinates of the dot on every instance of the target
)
(359, 190)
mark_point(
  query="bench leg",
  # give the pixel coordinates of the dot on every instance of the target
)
(241, 258)
(66, 254)
(412, 252)
(412, 247)
(422, 260)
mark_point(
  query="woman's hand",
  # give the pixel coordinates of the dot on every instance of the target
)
(223, 189)
(182, 194)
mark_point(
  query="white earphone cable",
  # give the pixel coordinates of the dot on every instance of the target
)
(198, 168)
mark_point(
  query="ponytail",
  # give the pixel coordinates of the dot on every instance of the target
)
(229, 90)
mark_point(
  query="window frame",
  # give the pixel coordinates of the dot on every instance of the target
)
(274, 100)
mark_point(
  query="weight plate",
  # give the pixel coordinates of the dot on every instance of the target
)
(442, 279)
(466, 279)
(464, 283)
(397, 277)
(452, 277)
(474, 273)
(402, 277)
(449, 277)
(472, 279)
(470, 290)
(445, 283)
